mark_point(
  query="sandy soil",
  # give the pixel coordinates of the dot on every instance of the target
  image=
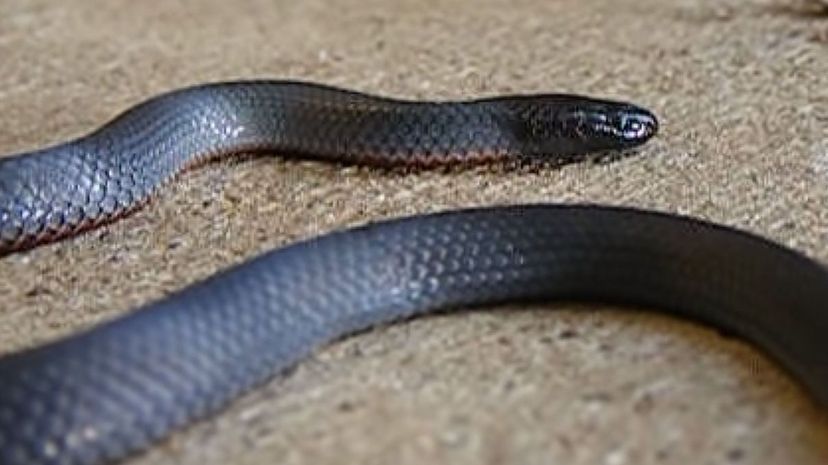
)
(742, 91)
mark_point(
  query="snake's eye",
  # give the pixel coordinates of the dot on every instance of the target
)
(632, 127)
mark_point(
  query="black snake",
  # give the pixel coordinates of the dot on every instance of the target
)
(99, 395)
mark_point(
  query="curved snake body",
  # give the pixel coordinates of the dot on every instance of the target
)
(62, 190)
(111, 390)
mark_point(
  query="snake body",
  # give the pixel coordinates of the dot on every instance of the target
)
(102, 394)
(62, 190)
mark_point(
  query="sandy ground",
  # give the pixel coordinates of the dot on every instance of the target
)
(742, 91)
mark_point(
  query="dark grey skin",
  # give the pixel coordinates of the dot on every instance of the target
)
(60, 191)
(103, 394)
(100, 395)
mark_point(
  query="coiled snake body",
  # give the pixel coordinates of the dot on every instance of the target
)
(102, 394)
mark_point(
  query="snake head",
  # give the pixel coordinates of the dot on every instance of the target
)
(566, 125)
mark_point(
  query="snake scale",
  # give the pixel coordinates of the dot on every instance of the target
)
(100, 395)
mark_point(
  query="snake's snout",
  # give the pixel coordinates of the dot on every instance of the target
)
(637, 125)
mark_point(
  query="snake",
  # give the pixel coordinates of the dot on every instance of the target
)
(63, 190)
(112, 390)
